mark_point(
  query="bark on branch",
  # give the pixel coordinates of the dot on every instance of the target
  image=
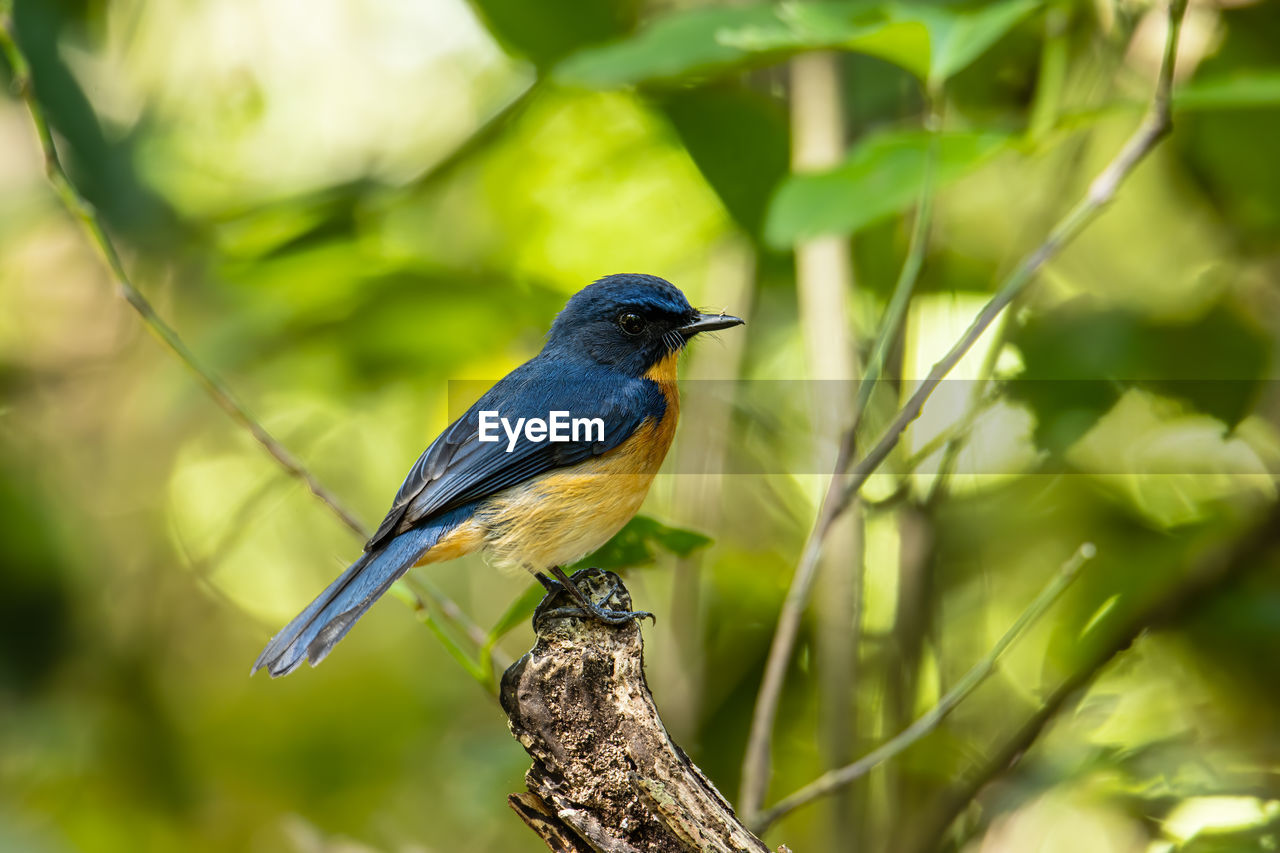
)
(606, 776)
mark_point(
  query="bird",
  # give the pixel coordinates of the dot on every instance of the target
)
(531, 502)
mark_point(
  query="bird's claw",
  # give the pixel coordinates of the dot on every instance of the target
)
(600, 614)
(601, 588)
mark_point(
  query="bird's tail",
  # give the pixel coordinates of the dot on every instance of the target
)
(325, 621)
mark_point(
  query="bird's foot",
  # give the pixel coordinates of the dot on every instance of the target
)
(592, 591)
(598, 613)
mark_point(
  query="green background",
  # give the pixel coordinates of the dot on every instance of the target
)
(346, 205)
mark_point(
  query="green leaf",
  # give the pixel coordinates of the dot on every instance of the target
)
(634, 545)
(875, 29)
(1079, 360)
(1246, 90)
(932, 42)
(1251, 89)
(880, 177)
(675, 46)
(739, 140)
(957, 39)
(549, 30)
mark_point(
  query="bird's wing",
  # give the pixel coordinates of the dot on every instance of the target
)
(459, 468)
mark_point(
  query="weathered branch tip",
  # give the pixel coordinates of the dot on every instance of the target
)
(606, 776)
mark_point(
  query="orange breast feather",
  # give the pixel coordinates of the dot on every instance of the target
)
(557, 518)
(561, 516)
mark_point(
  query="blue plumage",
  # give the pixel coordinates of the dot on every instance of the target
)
(607, 356)
(458, 467)
(325, 621)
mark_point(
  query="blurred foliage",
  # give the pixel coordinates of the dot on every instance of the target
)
(547, 32)
(743, 176)
(345, 205)
(1079, 360)
(634, 545)
(881, 177)
(932, 41)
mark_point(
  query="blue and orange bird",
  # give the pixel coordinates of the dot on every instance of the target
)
(611, 354)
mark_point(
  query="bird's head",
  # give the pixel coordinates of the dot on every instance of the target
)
(630, 321)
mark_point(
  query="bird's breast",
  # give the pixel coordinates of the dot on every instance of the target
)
(559, 517)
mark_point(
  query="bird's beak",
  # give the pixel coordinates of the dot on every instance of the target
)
(709, 323)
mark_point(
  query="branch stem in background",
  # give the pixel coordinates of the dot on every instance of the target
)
(825, 284)
(896, 310)
(1208, 576)
(843, 491)
(756, 762)
(979, 401)
(96, 231)
(834, 780)
(1157, 125)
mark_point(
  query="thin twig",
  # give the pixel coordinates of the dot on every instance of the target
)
(1154, 128)
(415, 599)
(93, 227)
(756, 761)
(421, 588)
(79, 207)
(833, 780)
(903, 290)
(953, 437)
(825, 283)
(755, 764)
(1157, 124)
(979, 401)
(1208, 576)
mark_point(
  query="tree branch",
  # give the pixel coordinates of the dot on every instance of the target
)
(835, 779)
(825, 286)
(843, 491)
(1155, 127)
(93, 227)
(606, 775)
(1157, 124)
(1206, 577)
(755, 764)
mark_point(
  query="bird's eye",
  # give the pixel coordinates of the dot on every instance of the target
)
(631, 324)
